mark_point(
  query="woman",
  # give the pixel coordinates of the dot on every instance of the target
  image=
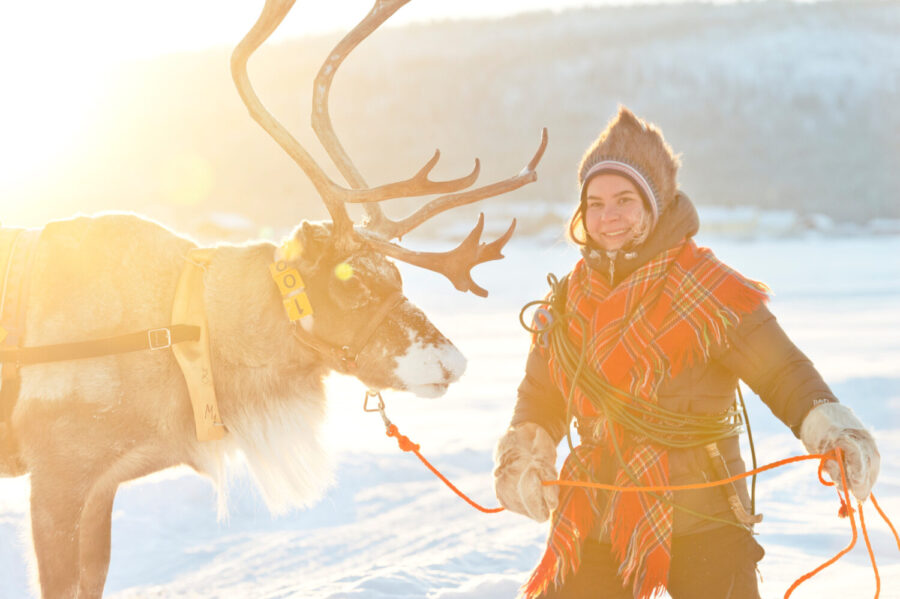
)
(655, 332)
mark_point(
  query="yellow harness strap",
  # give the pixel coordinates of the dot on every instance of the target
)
(193, 356)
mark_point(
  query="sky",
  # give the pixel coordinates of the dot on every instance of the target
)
(57, 56)
(112, 30)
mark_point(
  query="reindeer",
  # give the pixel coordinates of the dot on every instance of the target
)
(81, 427)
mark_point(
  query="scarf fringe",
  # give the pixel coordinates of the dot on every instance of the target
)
(741, 298)
(545, 574)
(575, 518)
(655, 577)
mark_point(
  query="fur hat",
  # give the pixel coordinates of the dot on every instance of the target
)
(634, 148)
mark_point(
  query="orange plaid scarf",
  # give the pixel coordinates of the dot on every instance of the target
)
(668, 314)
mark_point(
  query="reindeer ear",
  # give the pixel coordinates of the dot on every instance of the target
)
(306, 246)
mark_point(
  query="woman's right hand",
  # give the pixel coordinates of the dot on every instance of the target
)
(525, 456)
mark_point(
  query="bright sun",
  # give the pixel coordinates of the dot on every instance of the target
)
(55, 75)
(43, 113)
(58, 62)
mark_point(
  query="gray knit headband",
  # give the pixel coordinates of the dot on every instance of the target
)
(622, 168)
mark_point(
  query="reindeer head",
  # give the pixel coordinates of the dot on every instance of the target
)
(360, 319)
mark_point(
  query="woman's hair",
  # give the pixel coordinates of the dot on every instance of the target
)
(577, 232)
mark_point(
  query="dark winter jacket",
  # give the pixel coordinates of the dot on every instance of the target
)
(757, 352)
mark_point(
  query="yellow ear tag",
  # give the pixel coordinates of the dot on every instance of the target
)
(298, 307)
(3, 334)
(293, 290)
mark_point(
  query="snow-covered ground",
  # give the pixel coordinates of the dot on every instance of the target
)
(388, 529)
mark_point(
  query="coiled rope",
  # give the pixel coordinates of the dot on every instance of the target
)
(620, 409)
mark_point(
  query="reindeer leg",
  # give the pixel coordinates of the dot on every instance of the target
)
(77, 458)
(96, 517)
(56, 504)
(94, 541)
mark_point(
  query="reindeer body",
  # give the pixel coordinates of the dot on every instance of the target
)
(85, 426)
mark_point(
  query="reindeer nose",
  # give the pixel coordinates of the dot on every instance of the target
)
(453, 364)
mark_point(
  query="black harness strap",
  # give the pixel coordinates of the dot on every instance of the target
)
(344, 357)
(150, 339)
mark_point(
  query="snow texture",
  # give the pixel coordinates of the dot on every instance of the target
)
(389, 529)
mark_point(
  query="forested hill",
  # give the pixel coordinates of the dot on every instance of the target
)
(773, 104)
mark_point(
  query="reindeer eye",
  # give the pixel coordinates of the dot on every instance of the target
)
(348, 288)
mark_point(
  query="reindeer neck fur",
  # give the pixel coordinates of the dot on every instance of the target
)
(102, 276)
(269, 387)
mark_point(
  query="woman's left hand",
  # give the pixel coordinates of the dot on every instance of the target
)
(831, 426)
(524, 457)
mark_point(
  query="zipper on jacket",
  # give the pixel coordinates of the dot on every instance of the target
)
(611, 255)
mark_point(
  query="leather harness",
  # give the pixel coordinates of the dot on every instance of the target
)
(343, 358)
(189, 340)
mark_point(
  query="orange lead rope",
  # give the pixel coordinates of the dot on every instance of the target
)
(407, 445)
(845, 510)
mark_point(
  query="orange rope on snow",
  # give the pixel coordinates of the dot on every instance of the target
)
(845, 510)
(881, 513)
(862, 525)
(844, 495)
(407, 445)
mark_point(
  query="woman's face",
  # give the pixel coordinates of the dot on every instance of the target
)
(615, 211)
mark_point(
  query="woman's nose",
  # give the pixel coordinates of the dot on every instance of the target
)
(608, 214)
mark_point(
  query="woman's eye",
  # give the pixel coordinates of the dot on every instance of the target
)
(625, 200)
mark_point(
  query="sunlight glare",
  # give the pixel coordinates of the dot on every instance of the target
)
(343, 271)
(45, 113)
(187, 179)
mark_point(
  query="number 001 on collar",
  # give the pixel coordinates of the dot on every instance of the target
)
(293, 290)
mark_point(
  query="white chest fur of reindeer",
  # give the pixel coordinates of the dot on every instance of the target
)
(270, 382)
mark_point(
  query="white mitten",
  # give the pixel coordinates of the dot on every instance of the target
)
(525, 456)
(834, 425)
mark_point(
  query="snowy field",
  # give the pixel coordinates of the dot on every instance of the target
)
(387, 529)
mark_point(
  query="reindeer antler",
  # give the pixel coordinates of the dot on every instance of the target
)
(390, 229)
(455, 264)
(272, 15)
